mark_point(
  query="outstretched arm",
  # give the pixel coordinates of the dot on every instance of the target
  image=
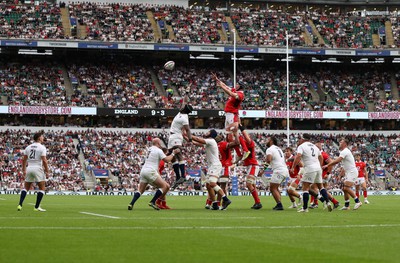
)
(225, 87)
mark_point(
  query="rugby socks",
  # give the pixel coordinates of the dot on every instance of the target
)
(306, 196)
(346, 203)
(157, 195)
(209, 201)
(365, 194)
(279, 204)
(177, 171)
(22, 197)
(225, 198)
(182, 168)
(324, 194)
(334, 201)
(39, 197)
(135, 197)
(358, 194)
(255, 196)
(356, 200)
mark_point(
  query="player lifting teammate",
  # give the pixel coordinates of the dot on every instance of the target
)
(214, 168)
(225, 156)
(149, 174)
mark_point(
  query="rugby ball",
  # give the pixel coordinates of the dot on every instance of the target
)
(170, 65)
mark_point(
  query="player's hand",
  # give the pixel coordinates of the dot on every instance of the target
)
(324, 167)
(176, 151)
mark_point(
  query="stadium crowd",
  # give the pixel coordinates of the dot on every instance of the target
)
(131, 22)
(66, 170)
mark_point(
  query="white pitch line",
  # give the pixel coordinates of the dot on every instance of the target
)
(3, 199)
(186, 227)
(93, 214)
(135, 218)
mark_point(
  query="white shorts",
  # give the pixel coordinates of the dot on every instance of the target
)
(35, 174)
(224, 178)
(230, 118)
(351, 176)
(253, 170)
(360, 181)
(148, 176)
(312, 177)
(279, 176)
(175, 140)
(213, 173)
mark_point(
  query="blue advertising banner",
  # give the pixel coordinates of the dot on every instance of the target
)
(171, 47)
(19, 43)
(100, 172)
(372, 53)
(194, 173)
(98, 45)
(309, 51)
(235, 186)
(242, 49)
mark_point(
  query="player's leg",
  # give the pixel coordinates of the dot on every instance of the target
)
(307, 180)
(27, 186)
(331, 198)
(349, 181)
(357, 184)
(138, 194)
(39, 196)
(276, 180)
(211, 195)
(252, 171)
(163, 188)
(365, 193)
(217, 189)
(314, 196)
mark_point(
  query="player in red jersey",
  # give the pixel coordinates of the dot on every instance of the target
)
(362, 178)
(232, 120)
(326, 176)
(225, 156)
(161, 202)
(294, 178)
(252, 169)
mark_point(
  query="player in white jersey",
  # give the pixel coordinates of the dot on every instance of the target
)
(179, 126)
(312, 160)
(35, 170)
(214, 168)
(276, 161)
(149, 174)
(350, 171)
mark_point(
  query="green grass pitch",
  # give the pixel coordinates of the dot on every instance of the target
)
(190, 233)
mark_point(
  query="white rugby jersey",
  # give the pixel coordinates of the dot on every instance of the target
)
(154, 156)
(178, 122)
(35, 151)
(212, 153)
(309, 155)
(348, 159)
(278, 158)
